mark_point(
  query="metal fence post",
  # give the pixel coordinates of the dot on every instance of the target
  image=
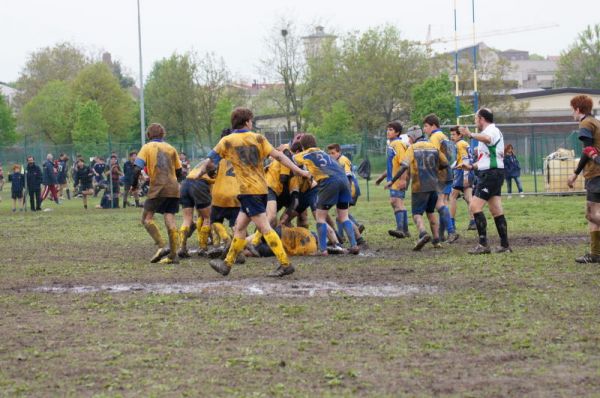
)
(534, 159)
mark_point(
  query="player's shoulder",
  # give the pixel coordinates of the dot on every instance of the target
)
(590, 123)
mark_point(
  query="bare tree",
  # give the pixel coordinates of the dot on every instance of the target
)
(286, 64)
(211, 78)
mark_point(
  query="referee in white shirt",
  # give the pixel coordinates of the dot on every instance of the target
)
(490, 177)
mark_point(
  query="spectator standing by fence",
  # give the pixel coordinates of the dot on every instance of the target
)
(512, 170)
(63, 168)
(49, 179)
(33, 178)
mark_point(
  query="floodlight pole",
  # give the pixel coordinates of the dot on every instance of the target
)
(456, 89)
(142, 113)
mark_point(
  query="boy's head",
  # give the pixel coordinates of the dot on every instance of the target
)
(155, 132)
(334, 150)
(308, 141)
(80, 162)
(455, 134)
(394, 129)
(30, 160)
(430, 123)
(16, 168)
(241, 118)
(296, 147)
(132, 155)
(582, 105)
(414, 134)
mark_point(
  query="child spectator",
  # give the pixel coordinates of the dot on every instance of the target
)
(18, 184)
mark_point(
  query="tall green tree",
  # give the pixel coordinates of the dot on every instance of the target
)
(96, 82)
(62, 62)
(222, 114)
(579, 65)
(90, 130)
(372, 72)
(435, 95)
(48, 115)
(171, 96)
(8, 132)
(337, 126)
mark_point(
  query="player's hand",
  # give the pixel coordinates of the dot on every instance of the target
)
(464, 130)
(387, 185)
(305, 174)
(379, 180)
(590, 152)
(571, 180)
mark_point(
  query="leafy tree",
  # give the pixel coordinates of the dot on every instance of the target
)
(61, 62)
(171, 96)
(222, 114)
(96, 82)
(435, 95)
(48, 115)
(579, 65)
(8, 133)
(337, 125)
(372, 72)
(90, 130)
(211, 78)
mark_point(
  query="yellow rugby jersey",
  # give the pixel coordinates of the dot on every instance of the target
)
(298, 241)
(319, 164)
(247, 151)
(161, 160)
(346, 164)
(424, 162)
(436, 138)
(299, 184)
(396, 153)
(225, 190)
(273, 174)
(463, 157)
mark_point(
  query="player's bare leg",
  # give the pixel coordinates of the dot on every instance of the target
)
(424, 237)
(592, 214)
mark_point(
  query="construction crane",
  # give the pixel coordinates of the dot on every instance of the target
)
(490, 33)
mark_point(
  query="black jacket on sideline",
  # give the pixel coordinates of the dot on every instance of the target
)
(49, 178)
(18, 182)
(33, 175)
(82, 177)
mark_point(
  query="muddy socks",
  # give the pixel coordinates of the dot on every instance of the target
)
(221, 232)
(277, 247)
(322, 234)
(183, 231)
(481, 224)
(595, 243)
(502, 230)
(237, 245)
(349, 228)
(173, 242)
(203, 233)
(399, 215)
(154, 232)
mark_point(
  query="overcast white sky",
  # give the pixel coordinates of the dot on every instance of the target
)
(236, 29)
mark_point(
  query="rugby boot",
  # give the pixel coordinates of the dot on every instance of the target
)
(183, 253)
(472, 226)
(436, 244)
(216, 252)
(160, 253)
(502, 249)
(220, 266)
(422, 242)
(241, 259)
(480, 249)
(354, 250)
(453, 237)
(336, 249)
(407, 234)
(362, 243)
(361, 228)
(169, 260)
(396, 234)
(588, 259)
(282, 271)
(202, 252)
(252, 249)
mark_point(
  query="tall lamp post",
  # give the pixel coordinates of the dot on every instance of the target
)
(142, 116)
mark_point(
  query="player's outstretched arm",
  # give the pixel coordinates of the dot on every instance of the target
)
(289, 164)
(402, 170)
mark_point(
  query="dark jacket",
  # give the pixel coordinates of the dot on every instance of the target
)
(62, 171)
(83, 177)
(512, 168)
(18, 182)
(49, 178)
(33, 177)
(128, 173)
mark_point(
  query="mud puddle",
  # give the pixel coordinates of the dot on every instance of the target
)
(252, 288)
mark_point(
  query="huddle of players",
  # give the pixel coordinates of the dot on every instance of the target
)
(441, 169)
(232, 184)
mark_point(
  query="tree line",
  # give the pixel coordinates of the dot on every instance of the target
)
(347, 85)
